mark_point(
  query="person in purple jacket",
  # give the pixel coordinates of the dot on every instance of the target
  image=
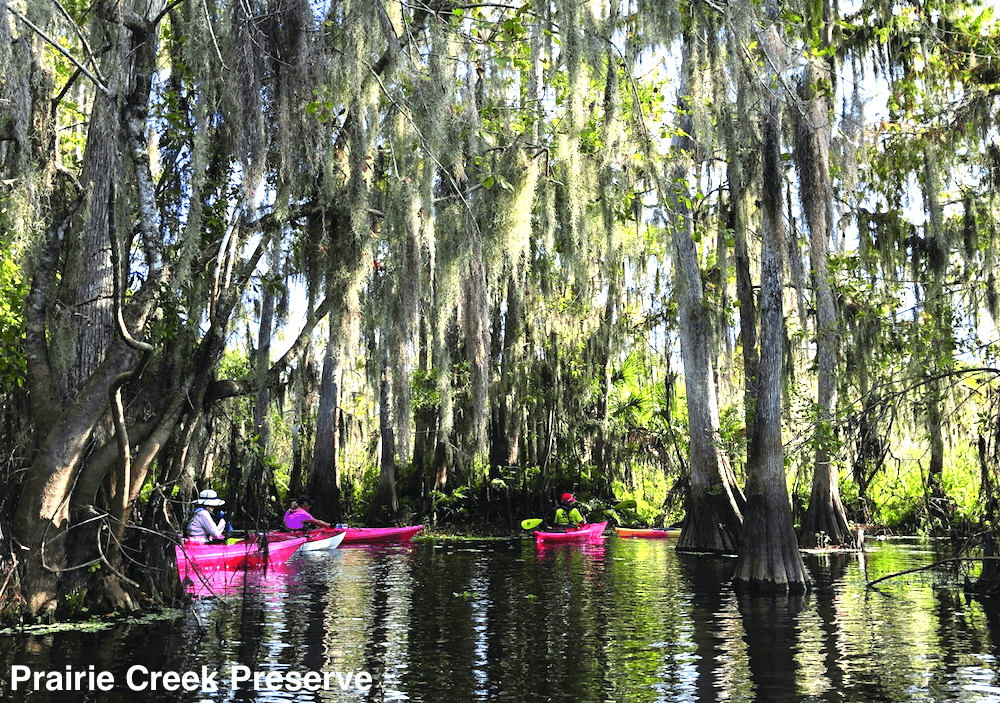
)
(298, 518)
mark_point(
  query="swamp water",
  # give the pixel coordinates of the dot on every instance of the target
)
(622, 620)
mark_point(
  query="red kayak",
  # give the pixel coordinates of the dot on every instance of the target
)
(584, 533)
(245, 554)
(368, 535)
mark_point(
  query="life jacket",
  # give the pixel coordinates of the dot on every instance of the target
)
(563, 516)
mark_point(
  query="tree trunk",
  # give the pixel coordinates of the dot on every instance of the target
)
(741, 164)
(989, 578)
(769, 558)
(385, 506)
(425, 411)
(301, 422)
(825, 521)
(42, 513)
(324, 479)
(255, 487)
(602, 444)
(939, 351)
(506, 453)
(714, 510)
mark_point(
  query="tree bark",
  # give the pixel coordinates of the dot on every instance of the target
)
(324, 479)
(938, 352)
(254, 490)
(825, 521)
(42, 514)
(385, 506)
(714, 510)
(737, 174)
(769, 559)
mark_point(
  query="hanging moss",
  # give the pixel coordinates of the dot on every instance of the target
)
(512, 222)
(662, 20)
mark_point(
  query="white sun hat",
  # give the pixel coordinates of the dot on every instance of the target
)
(209, 498)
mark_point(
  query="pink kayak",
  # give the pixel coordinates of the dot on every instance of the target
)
(584, 533)
(245, 554)
(367, 535)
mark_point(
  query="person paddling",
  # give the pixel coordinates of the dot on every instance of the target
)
(298, 517)
(568, 515)
(202, 526)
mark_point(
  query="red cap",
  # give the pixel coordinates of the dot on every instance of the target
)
(568, 498)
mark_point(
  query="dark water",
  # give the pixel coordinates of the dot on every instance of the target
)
(626, 620)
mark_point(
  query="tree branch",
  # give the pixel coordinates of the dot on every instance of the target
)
(928, 567)
(91, 58)
(58, 47)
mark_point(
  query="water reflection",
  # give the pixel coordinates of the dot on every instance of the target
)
(719, 645)
(615, 620)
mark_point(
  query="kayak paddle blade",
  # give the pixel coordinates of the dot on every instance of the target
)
(531, 523)
(625, 505)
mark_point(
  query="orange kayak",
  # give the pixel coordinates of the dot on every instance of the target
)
(648, 533)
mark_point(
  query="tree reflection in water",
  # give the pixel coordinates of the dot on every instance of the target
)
(628, 621)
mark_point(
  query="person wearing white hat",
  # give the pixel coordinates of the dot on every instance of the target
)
(202, 526)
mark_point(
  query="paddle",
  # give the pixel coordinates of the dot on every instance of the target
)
(532, 523)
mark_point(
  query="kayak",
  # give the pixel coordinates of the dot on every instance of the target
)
(316, 540)
(368, 535)
(245, 554)
(320, 542)
(647, 533)
(572, 534)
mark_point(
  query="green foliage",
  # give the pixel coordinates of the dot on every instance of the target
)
(733, 436)
(900, 495)
(13, 289)
(645, 513)
(425, 390)
(235, 363)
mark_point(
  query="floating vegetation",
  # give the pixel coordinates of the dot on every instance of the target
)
(95, 624)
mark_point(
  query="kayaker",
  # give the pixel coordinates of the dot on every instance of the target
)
(568, 515)
(292, 507)
(298, 517)
(202, 526)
